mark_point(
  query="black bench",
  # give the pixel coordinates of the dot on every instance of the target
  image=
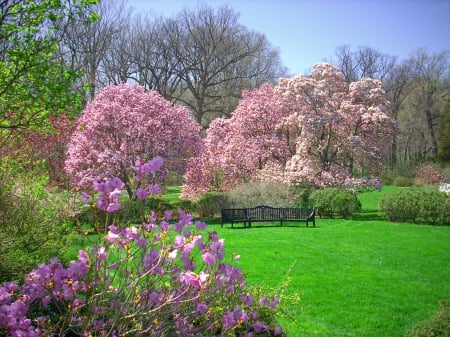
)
(267, 214)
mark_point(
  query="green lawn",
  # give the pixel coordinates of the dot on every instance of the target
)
(362, 277)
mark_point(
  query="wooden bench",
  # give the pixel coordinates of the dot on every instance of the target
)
(267, 214)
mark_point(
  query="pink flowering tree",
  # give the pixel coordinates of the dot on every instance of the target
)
(126, 125)
(308, 130)
(236, 148)
(345, 129)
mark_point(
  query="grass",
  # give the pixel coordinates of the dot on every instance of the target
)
(356, 278)
(362, 277)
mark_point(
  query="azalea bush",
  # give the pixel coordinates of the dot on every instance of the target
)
(166, 276)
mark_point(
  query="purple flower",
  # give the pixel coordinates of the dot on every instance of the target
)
(228, 320)
(247, 300)
(274, 303)
(259, 327)
(200, 225)
(201, 308)
(112, 207)
(153, 165)
(141, 242)
(141, 193)
(208, 258)
(154, 189)
(277, 331)
(85, 197)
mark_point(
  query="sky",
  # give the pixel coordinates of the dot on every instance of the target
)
(307, 32)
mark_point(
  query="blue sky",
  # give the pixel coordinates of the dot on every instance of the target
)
(308, 31)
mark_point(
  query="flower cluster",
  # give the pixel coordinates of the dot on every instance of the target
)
(164, 277)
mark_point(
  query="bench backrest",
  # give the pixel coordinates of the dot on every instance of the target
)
(264, 212)
(298, 213)
(230, 214)
(267, 213)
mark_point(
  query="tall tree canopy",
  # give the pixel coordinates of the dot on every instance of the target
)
(315, 130)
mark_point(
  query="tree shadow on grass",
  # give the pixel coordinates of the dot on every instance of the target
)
(269, 225)
(368, 215)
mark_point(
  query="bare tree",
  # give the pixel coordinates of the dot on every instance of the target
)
(156, 52)
(364, 62)
(219, 58)
(86, 47)
(431, 75)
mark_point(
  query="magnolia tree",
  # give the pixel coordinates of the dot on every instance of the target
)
(308, 130)
(236, 148)
(125, 125)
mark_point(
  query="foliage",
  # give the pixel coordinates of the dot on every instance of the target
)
(444, 134)
(211, 203)
(122, 123)
(428, 173)
(429, 206)
(33, 82)
(40, 151)
(262, 193)
(163, 277)
(400, 206)
(330, 201)
(437, 325)
(308, 130)
(401, 181)
(33, 225)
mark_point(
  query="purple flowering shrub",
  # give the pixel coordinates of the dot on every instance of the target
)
(164, 277)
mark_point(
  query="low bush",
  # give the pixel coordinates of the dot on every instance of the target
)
(334, 201)
(33, 225)
(428, 206)
(437, 325)
(211, 203)
(401, 181)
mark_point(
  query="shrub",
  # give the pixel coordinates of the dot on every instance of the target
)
(434, 207)
(332, 200)
(400, 206)
(211, 203)
(401, 181)
(429, 206)
(161, 278)
(33, 225)
(262, 193)
(437, 325)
